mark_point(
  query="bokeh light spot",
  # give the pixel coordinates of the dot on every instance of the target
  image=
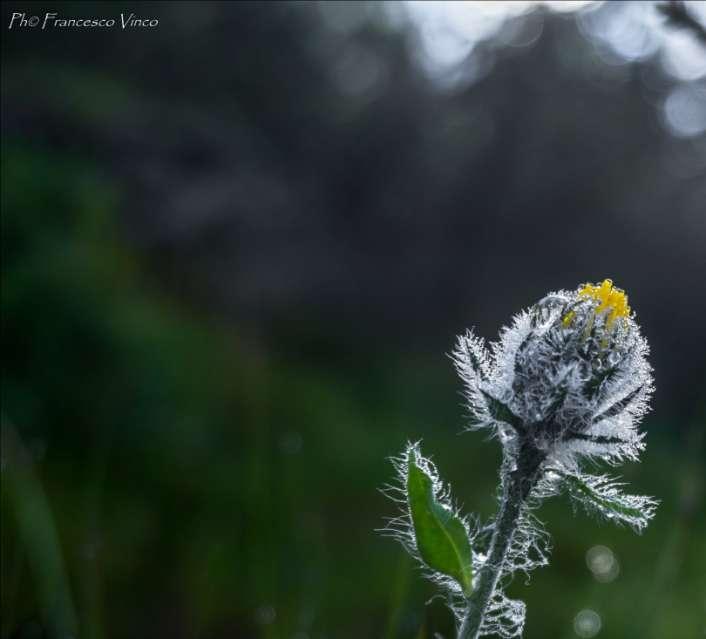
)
(587, 623)
(602, 563)
(685, 111)
(265, 615)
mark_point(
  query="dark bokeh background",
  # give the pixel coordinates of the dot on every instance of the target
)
(235, 250)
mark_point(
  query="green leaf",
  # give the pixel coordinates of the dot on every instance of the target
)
(442, 540)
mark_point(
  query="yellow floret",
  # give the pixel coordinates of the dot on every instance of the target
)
(613, 301)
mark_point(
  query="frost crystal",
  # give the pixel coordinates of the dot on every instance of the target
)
(567, 381)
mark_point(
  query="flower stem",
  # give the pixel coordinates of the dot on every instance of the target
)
(517, 486)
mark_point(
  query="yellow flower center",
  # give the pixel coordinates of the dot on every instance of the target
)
(613, 301)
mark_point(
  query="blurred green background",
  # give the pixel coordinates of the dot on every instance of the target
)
(235, 250)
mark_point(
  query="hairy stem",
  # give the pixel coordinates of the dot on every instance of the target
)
(517, 486)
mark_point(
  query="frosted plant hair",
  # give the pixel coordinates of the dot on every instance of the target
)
(567, 382)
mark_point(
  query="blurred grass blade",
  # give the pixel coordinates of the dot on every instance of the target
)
(37, 532)
(442, 540)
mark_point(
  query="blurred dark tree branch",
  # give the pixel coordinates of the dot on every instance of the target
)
(678, 16)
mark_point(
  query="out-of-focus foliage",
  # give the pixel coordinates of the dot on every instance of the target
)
(232, 251)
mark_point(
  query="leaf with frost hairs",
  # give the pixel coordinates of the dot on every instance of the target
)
(442, 540)
(619, 406)
(601, 494)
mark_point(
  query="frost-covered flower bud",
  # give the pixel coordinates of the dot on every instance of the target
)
(570, 374)
(569, 379)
